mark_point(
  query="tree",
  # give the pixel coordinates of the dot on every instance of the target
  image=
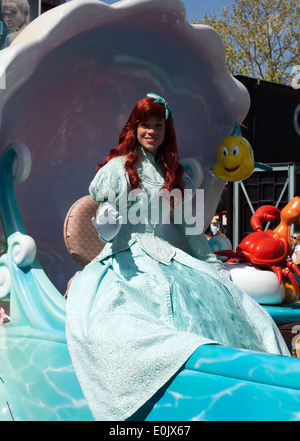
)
(261, 37)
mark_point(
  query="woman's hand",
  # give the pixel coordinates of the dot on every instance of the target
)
(107, 222)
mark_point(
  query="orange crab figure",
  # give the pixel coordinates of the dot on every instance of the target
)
(271, 248)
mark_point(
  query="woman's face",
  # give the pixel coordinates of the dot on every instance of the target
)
(151, 133)
(13, 17)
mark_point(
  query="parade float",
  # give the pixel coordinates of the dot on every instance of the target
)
(68, 81)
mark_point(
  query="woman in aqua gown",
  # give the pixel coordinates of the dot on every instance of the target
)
(137, 312)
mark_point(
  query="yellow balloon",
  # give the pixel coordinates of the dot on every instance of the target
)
(235, 160)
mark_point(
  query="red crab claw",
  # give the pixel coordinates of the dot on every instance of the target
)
(287, 273)
(226, 253)
(278, 271)
(293, 266)
(230, 254)
(266, 213)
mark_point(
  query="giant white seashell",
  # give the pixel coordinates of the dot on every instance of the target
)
(71, 79)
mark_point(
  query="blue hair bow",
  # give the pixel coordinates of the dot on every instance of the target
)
(159, 99)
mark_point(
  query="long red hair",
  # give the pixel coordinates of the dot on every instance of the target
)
(168, 151)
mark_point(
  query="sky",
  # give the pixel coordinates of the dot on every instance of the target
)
(201, 7)
(198, 7)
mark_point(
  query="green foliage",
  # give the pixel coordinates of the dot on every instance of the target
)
(261, 37)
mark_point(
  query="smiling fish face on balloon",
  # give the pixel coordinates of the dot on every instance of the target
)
(235, 158)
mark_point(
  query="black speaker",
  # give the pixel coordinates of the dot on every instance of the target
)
(272, 125)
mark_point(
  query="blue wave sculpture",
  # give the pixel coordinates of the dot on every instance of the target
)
(37, 378)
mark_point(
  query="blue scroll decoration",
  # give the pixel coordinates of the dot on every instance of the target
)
(37, 376)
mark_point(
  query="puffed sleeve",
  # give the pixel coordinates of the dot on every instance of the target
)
(111, 184)
(191, 229)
